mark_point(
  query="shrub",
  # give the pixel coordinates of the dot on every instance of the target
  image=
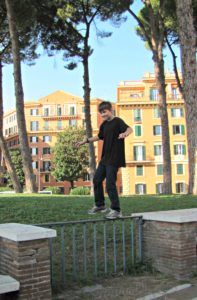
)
(5, 188)
(80, 190)
(53, 189)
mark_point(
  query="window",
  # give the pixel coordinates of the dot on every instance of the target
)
(34, 151)
(72, 122)
(46, 111)
(139, 152)
(47, 138)
(157, 129)
(34, 125)
(46, 178)
(137, 115)
(180, 187)
(160, 169)
(34, 112)
(174, 93)
(59, 124)
(46, 125)
(46, 165)
(159, 188)
(83, 109)
(138, 130)
(59, 111)
(139, 170)
(86, 177)
(179, 129)
(177, 112)
(83, 123)
(156, 112)
(33, 139)
(158, 150)
(72, 110)
(34, 165)
(179, 169)
(179, 149)
(46, 150)
(153, 94)
(140, 188)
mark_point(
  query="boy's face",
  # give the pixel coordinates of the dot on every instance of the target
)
(106, 114)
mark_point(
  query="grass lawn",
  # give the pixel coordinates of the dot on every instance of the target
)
(31, 209)
(34, 209)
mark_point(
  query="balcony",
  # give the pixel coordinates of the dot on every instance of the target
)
(61, 117)
(148, 160)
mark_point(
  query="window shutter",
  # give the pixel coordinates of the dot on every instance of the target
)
(135, 152)
(151, 94)
(155, 150)
(144, 188)
(184, 149)
(182, 129)
(144, 152)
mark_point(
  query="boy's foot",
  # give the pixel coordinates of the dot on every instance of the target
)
(97, 209)
(113, 214)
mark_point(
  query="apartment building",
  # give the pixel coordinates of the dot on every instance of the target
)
(44, 119)
(137, 104)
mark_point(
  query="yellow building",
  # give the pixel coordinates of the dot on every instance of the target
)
(137, 104)
(44, 119)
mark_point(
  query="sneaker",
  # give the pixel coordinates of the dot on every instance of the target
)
(97, 209)
(113, 214)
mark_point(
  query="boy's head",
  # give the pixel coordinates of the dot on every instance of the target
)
(106, 110)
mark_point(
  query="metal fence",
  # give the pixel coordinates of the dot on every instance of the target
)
(91, 248)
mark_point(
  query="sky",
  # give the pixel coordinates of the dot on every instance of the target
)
(122, 56)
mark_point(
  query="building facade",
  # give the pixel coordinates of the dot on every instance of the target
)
(44, 119)
(137, 104)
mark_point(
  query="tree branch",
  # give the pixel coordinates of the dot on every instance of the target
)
(140, 23)
(174, 65)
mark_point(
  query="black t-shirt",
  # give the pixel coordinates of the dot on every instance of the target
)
(113, 152)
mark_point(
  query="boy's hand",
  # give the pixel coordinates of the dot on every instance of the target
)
(123, 135)
(126, 133)
(78, 144)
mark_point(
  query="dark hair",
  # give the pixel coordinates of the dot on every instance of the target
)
(104, 105)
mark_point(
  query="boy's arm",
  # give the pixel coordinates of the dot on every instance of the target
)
(87, 140)
(123, 135)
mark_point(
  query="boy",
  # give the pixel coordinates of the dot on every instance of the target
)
(112, 131)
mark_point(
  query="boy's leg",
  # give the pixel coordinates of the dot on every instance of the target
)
(111, 177)
(99, 176)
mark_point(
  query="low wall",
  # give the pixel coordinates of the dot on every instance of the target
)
(169, 240)
(24, 255)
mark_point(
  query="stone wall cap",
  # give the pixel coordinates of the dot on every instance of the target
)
(173, 216)
(22, 232)
(8, 284)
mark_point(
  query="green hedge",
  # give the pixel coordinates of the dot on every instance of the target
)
(80, 190)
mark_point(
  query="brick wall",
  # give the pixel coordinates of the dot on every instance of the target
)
(29, 263)
(171, 247)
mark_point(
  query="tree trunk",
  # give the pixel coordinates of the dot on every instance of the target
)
(155, 39)
(86, 87)
(5, 152)
(187, 38)
(23, 138)
(72, 184)
(156, 44)
(160, 79)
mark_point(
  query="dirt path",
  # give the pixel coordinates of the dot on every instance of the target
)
(122, 287)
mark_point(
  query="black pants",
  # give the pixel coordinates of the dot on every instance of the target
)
(110, 173)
